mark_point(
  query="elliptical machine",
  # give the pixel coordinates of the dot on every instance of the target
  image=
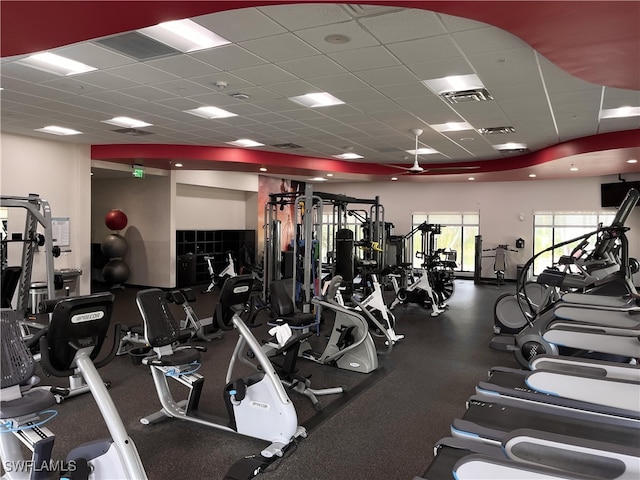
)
(73, 340)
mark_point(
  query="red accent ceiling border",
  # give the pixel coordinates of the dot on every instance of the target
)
(225, 158)
(598, 41)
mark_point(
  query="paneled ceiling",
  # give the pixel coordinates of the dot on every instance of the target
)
(549, 70)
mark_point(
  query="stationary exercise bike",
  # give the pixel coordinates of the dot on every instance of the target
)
(419, 291)
(229, 271)
(73, 340)
(258, 405)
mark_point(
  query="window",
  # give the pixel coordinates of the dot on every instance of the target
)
(553, 228)
(458, 233)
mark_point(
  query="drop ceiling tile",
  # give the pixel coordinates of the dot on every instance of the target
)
(229, 57)
(280, 47)
(234, 83)
(513, 90)
(617, 97)
(293, 89)
(142, 73)
(72, 86)
(264, 74)
(312, 66)
(459, 24)
(442, 68)
(489, 39)
(359, 96)
(184, 66)
(525, 106)
(148, 93)
(108, 81)
(337, 83)
(90, 104)
(404, 90)
(296, 17)
(388, 76)
(114, 98)
(240, 24)
(34, 89)
(182, 88)
(181, 103)
(94, 55)
(26, 74)
(244, 109)
(358, 37)
(365, 58)
(425, 49)
(406, 24)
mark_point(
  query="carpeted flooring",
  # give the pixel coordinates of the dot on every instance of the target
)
(384, 427)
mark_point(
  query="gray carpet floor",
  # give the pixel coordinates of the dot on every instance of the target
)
(384, 427)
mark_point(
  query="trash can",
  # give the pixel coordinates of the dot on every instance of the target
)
(519, 269)
(37, 293)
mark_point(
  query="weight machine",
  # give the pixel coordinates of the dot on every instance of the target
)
(434, 284)
(38, 217)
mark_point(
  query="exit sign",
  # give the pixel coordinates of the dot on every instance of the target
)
(138, 172)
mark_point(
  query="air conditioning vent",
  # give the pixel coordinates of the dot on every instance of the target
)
(138, 46)
(466, 96)
(496, 130)
(134, 132)
(287, 146)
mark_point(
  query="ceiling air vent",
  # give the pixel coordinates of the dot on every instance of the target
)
(287, 146)
(466, 96)
(496, 130)
(134, 132)
(138, 46)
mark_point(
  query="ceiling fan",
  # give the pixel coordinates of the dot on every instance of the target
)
(416, 169)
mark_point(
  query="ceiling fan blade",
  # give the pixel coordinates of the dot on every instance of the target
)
(451, 169)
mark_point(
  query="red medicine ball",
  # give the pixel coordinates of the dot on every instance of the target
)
(115, 220)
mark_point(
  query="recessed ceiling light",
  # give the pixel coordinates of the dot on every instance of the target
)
(348, 156)
(394, 179)
(621, 112)
(632, 160)
(453, 83)
(56, 64)
(52, 129)
(178, 165)
(451, 127)
(317, 179)
(184, 35)
(510, 146)
(245, 142)
(127, 122)
(532, 175)
(313, 100)
(573, 168)
(211, 112)
(422, 151)
(471, 178)
(329, 174)
(263, 169)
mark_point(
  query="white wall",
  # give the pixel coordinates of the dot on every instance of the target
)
(500, 204)
(60, 173)
(147, 202)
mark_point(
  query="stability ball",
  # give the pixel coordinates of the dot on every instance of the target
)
(115, 272)
(114, 245)
(115, 220)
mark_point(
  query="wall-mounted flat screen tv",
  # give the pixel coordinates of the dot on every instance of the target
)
(612, 194)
